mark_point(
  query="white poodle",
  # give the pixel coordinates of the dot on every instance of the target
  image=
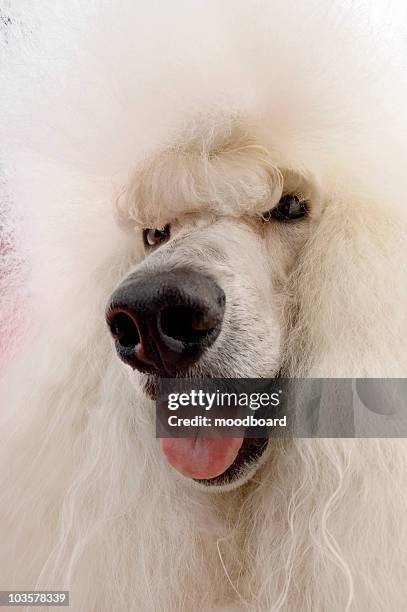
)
(225, 181)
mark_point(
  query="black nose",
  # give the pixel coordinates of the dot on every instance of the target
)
(163, 322)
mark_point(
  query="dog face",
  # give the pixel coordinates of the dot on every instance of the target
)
(212, 298)
(250, 259)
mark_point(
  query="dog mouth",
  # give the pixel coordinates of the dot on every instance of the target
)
(210, 461)
(246, 459)
(150, 387)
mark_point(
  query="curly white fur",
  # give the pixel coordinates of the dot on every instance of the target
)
(115, 115)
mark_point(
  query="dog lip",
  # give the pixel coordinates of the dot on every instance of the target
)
(249, 453)
(150, 387)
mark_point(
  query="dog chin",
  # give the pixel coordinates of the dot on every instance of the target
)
(248, 460)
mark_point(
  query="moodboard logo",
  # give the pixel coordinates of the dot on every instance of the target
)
(281, 407)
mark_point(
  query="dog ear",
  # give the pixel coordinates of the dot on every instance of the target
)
(349, 294)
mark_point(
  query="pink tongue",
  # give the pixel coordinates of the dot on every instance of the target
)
(201, 457)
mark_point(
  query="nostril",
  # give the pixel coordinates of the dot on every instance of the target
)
(124, 330)
(186, 323)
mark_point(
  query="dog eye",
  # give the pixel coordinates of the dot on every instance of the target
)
(290, 207)
(153, 236)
